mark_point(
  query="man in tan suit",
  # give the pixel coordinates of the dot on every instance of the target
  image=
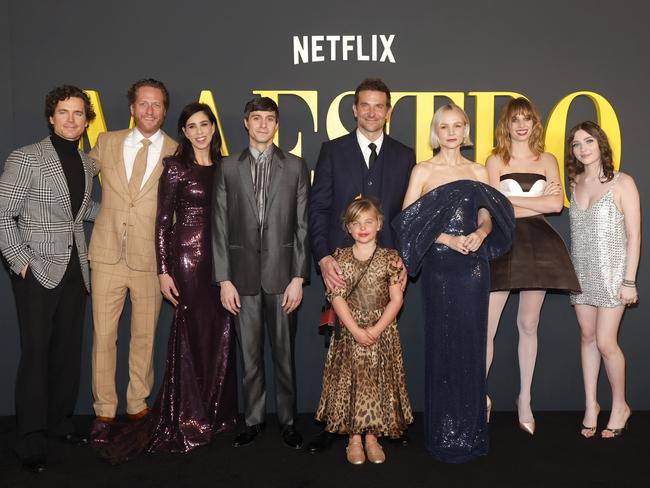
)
(122, 250)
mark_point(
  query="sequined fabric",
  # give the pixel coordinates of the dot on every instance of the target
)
(455, 289)
(598, 251)
(198, 396)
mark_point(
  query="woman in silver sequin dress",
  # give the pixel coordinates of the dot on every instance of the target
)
(538, 260)
(605, 246)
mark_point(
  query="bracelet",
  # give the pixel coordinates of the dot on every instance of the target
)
(629, 283)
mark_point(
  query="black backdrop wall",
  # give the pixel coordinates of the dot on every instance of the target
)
(545, 50)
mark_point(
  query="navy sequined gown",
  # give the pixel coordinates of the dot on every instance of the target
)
(198, 396)
(455, 290)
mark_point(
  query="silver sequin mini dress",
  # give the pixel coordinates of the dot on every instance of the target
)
(598, 250)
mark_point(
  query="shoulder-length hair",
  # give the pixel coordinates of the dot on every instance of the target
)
(185, 152)
(514, 107)
(359, 206)
(575, 167)
(435, 122)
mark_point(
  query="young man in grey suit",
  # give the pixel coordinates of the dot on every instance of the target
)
(261, 260)
(44, 198)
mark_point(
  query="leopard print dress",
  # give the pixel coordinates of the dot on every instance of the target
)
(364, 388)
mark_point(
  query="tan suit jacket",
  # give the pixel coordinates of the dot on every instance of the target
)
(121, 215)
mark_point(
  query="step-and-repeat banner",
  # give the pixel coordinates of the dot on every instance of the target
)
(575, 61)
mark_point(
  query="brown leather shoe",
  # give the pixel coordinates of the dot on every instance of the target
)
(105, 420)
(132, 417)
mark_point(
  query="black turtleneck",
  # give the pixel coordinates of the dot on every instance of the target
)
(72, 169)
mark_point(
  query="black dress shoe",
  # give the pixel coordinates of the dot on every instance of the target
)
(400, 441)
(321, 442)
(247, 436)
(291, 437)
(73, 439)
(34, 465)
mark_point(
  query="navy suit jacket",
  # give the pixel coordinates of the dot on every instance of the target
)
(342, 175)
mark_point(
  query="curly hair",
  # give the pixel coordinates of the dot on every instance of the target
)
(150, 82)
(63, 92)
(514, 107)
(574, 167)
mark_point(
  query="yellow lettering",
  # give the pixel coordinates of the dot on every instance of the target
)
(310, 97)
(98, 125)
(556, 128)
(424, 108)
(484, 139)
(207, 98)
(333, 125)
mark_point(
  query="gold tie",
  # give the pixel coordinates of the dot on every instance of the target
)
(139, 167)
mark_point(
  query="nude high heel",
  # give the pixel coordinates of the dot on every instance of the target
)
(528, 427)
(488, 401)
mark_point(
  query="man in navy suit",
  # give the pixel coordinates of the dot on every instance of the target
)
(364, 162)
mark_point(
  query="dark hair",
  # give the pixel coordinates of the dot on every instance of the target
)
(575, 167)
(131, 94)
(63, 92)
(185, 152)
(263, 104)
(357, 207)
(372, 84)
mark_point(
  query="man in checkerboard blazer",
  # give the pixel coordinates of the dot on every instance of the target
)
(44, 198)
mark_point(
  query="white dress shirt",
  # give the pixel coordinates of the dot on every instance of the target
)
(363, 144)
(132, 145)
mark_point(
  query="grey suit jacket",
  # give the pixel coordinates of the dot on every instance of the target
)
(36, 222)
(254, 260)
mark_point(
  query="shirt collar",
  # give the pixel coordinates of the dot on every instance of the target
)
(156, 139)
(256, 154)
(364, 141)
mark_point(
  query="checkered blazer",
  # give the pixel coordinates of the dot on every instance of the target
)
(125, 226)
(36, 222)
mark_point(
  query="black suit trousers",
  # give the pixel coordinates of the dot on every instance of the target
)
(51, 326)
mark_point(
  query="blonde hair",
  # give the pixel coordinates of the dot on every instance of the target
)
(359, 206)
(435, 122)
(514, 107)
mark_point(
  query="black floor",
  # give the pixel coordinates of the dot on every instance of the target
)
(555, 457)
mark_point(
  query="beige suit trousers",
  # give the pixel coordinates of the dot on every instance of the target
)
(109, 286)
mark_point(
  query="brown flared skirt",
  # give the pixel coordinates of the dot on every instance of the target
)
(538, 260)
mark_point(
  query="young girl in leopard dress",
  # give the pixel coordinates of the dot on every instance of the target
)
(364, 386)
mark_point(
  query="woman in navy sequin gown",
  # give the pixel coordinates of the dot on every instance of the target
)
(198, 396)
(452, 224)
